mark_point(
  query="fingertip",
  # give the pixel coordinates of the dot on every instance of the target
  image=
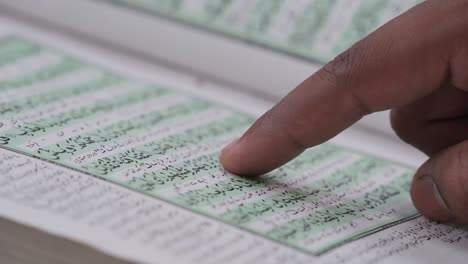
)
(239, 158)
(264, 147)
(249, 156)
(226, 157)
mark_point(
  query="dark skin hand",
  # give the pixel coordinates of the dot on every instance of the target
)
(416, 65)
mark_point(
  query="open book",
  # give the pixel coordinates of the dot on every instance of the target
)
(120, 154)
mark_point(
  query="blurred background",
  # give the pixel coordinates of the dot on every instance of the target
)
(262, 47)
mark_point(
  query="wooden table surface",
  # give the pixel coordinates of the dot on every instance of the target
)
(20, 244)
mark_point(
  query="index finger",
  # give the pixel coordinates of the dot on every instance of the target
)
(404, 60)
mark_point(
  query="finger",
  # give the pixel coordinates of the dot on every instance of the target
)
(434, 122)
(440, 187)
(405, 60)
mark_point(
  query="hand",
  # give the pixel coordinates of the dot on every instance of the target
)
(416, 65)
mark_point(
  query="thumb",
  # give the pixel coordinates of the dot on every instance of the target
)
(440, 187)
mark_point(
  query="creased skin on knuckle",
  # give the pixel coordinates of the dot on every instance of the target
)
(337, 71)
(343, 73)
(328, 75)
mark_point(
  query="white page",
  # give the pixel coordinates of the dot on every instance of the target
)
(95, 235)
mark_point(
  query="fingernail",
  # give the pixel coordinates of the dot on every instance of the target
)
(439, 209)
(427, 171)
(440, 201)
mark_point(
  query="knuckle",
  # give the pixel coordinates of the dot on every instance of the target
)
(343, 68)
(328, 75)
(343, 73)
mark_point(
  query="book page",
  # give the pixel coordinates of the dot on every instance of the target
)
(136, 163)
(316, 30)
(166, 145)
